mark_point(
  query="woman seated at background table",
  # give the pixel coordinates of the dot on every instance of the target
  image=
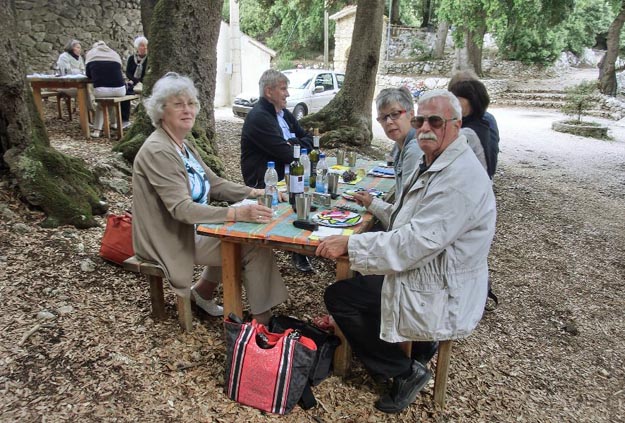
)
(135, 71)
(104, 68)
(71, 61)
(172, 191)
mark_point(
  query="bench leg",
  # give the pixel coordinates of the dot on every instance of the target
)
(157, 297)
(184, 313)
(342, 354)
(442, 370)
(120, 126)
(107, 129)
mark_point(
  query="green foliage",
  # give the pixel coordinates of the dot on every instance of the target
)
(420, 50)
(288, 25)
(284, 61)
(581, 98)
(589, 18)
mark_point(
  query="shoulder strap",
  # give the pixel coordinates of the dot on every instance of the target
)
(307, 401)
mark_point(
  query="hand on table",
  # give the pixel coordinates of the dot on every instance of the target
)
(254, 213)
(363, 198)
(333, 246)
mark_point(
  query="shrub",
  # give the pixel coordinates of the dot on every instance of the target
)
(581, 98)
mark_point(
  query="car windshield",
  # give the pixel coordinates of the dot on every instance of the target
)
(298, 80)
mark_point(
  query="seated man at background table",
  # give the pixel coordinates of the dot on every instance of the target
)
(269, 133)
(426, 277)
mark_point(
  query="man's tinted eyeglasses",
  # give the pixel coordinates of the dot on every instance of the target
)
(435, 122)
(393, 115)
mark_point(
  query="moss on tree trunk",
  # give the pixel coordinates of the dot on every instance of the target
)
(183, 39)
(58, 184)
(346, 120)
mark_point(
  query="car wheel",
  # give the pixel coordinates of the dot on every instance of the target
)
(299, 112)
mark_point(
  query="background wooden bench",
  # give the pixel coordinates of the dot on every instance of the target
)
(115, 102)
(59, 96)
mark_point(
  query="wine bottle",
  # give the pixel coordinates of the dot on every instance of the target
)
(296, 180)
(314, 158)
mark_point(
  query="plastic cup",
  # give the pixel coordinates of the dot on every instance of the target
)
(302, 206)
(333, 183)
(351, 158)
(340, 157)
(265, 200)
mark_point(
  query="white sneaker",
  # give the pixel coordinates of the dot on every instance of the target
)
(126, 124)
(113, 126)
(210, 307)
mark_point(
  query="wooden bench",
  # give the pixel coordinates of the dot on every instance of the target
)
(154, 274)
(442, 369)
(59, 96)
(115, 102)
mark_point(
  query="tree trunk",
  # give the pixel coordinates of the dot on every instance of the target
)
(426, 12)
(147, 7)
(607, 69)
(470, 55)
(347, 118)
(395, 19)
(441, 39)
(183, 39)
(58, 184)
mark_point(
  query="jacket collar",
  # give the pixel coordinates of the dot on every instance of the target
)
(265, 104)
(451, 153)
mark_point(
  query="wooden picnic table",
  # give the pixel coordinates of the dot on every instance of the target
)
(280, 234)
(51, 82)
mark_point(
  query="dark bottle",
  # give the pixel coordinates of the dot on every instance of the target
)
(314, 158)
(296, 180)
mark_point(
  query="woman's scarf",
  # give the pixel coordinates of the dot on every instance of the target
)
(102, 53)
(139, 69)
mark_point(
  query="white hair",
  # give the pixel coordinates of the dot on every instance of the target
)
(140, 40)
(453, 100)
(170, 85)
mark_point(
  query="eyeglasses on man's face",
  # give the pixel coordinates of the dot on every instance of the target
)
(180, 105)
(393, 115)
(435, 121)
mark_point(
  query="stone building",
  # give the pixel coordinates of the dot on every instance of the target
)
(44, 27)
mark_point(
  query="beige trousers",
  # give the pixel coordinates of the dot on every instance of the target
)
(261, 278)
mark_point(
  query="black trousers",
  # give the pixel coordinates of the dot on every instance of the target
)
(125, 106)
(355, 306)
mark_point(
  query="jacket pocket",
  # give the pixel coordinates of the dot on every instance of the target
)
(423, 311)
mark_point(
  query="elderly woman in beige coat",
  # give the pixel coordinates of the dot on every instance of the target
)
(172, 190)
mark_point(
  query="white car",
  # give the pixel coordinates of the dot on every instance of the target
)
(309, 91)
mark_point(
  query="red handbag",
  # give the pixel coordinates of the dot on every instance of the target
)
(117, 240)
(266, 370)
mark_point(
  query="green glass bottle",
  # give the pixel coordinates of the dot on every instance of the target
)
(314, 158)
(296, 180)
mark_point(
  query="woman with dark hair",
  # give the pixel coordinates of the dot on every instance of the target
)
(474, 100)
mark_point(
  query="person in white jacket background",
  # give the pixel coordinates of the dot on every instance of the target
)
(426, 277)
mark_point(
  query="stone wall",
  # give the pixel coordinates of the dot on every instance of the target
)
(44, 27)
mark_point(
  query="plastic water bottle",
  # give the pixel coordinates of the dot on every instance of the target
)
(271, 183)
(322, 175)
(305, 161)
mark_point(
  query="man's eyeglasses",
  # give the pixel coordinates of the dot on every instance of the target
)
(180, 105)
(435, 121)
(393, 115)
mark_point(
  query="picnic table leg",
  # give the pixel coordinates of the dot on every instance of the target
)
(231, 277)
(38, 100)
(343, 353)
(83, 112)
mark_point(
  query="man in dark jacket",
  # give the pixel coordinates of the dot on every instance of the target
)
(269, 133)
